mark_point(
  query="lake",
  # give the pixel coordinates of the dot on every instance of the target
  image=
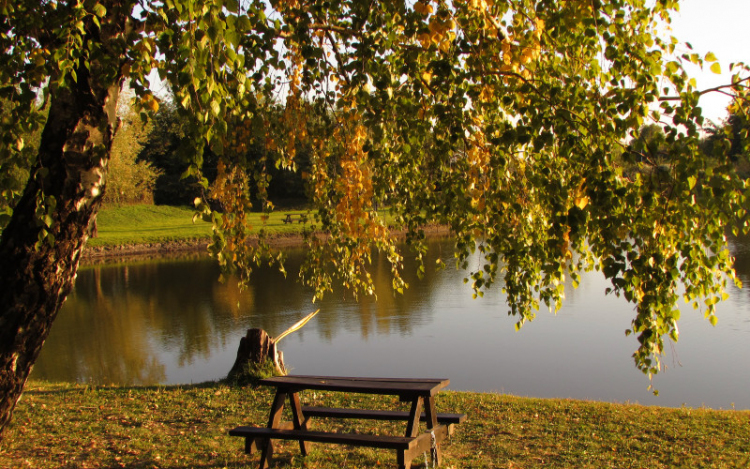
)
(169, 321)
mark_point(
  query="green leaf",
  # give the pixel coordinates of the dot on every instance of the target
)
(232, 5)
(216, 108)
(100, 10)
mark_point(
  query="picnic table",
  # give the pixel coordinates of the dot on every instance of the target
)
(419, 392)
(292, 217)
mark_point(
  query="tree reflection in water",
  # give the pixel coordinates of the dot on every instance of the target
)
(123, 320)
(170, 321)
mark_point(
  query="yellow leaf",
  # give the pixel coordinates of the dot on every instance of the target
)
(423, 8)
(150, 102)
(445, 46)
(582, 202)
(716, 68)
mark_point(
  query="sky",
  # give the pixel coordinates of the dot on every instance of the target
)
(721, 27)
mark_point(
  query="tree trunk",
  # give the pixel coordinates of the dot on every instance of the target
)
(256, 347)
(41, 246)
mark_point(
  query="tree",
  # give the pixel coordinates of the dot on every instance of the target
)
(14, 169)
(729, 140)
(650, 144)
(130, 181)
(164, 148)
(497, 118)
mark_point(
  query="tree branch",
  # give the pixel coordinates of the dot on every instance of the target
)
(710, 90)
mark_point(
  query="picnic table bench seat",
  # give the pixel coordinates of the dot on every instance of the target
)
(443, 418)
(418, 443)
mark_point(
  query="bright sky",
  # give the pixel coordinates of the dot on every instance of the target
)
(721, 27)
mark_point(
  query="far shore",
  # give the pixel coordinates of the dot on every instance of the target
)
(97, 254)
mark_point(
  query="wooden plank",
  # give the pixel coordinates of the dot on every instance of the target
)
(274, 420)
(423, 445)
(432, 422)
(392, 415)
(371, 379)
(298, 419)
(405, 388)
(254, 445)
(354, 439)
(412, 427)
(421, 442)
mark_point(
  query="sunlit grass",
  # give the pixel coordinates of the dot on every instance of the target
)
(76, 426)
(143, 224)
(139, 224)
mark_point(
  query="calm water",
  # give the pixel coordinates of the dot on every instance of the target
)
(172, 322)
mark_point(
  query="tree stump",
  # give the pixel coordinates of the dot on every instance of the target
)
(257, 348)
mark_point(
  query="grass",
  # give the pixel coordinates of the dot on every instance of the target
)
(141, 224)
(144, 224)
(75, 426)
(149, 224)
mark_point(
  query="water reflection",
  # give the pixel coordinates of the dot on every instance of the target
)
(171, 322)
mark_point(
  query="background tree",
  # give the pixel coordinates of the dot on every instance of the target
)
(500, 119)
(164, 149)
(131, 181)
(15, 167)
(650, 145)
(730, 140)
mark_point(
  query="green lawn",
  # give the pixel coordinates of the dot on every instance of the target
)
(143, 224)
(180, 427)
(147, 224)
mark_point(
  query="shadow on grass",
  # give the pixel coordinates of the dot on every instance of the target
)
(68, 388)
(187, 465)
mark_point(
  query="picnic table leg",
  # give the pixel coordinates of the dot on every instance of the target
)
(298, 418)
(432, 423)
(274, 421)
(412, 430)
(402, 462)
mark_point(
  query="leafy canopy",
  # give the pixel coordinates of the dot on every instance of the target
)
(508, 121)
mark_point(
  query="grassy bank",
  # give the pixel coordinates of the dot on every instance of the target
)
(140, 224)
(150, 224)
(144, 224)
(67, 426)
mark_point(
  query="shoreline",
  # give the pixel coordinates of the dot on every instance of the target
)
(146, 251)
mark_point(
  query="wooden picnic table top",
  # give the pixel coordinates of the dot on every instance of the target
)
(389, 386)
